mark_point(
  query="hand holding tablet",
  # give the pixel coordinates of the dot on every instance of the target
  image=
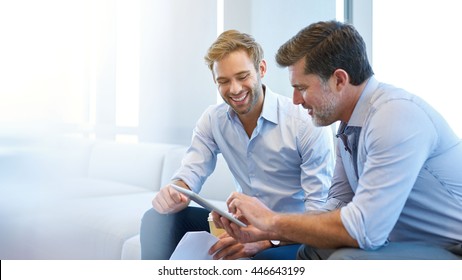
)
(207, 205)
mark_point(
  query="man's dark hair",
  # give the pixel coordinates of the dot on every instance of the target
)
(327, 46)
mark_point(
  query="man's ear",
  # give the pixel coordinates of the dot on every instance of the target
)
(262, 68)
(341, 79)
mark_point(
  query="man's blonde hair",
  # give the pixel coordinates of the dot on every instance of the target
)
(230, 41)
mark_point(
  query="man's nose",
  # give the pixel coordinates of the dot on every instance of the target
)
(297, 97)
(235, 87)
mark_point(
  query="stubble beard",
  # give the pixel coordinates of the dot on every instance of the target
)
(324, 114)
(253, 95)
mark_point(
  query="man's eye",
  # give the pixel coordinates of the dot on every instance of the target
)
(222, 82)
(243, 77)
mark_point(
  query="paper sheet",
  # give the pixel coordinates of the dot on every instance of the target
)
(194, 246)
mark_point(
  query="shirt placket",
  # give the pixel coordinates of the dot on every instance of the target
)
(350, 136)
(251, 165)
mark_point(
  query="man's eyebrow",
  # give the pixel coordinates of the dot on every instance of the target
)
(235, 75)
(242, 72)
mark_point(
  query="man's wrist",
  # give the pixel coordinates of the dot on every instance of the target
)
(273, 228)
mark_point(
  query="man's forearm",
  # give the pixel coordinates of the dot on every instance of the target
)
(320, 230)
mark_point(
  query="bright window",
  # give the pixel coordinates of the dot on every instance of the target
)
(416, 46)
(127, 62)
(42, 62)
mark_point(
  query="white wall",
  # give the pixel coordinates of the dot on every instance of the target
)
(175, 84)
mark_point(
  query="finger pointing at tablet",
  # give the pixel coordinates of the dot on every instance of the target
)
(254, 211)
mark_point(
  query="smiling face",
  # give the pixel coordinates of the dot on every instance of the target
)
(239, 83)
(314, 95)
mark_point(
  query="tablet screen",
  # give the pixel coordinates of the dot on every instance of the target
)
(207, 205)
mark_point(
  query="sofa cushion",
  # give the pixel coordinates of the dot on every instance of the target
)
(90, 187)
(70, 156)
(131, 250)
(94, 210)
(86, 228)
(137, 164)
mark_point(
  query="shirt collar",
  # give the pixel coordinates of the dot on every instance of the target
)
(363, 104)
(270, 104)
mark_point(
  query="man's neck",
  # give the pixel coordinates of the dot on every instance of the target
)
(249, 120)
(352, 96)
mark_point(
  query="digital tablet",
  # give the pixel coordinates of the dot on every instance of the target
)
(207, 205)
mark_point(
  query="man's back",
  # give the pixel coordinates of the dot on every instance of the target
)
(435, 200)
(411, 158)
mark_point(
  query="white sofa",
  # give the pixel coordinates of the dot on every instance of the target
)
(85, 199)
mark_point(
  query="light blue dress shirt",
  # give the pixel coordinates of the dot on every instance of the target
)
(408, 185)
(287, 163)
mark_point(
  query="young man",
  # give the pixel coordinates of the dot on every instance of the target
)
(270, 145)
(397, 172)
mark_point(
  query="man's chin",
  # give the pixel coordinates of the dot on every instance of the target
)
(240, 109)
(320, 122)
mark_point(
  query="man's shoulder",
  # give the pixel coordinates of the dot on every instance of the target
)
(387, 92)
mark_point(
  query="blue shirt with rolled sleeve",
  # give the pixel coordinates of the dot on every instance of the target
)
(406, 181)
(287, 162)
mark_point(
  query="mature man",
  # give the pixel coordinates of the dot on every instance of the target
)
(272, 148)
(397, 179)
